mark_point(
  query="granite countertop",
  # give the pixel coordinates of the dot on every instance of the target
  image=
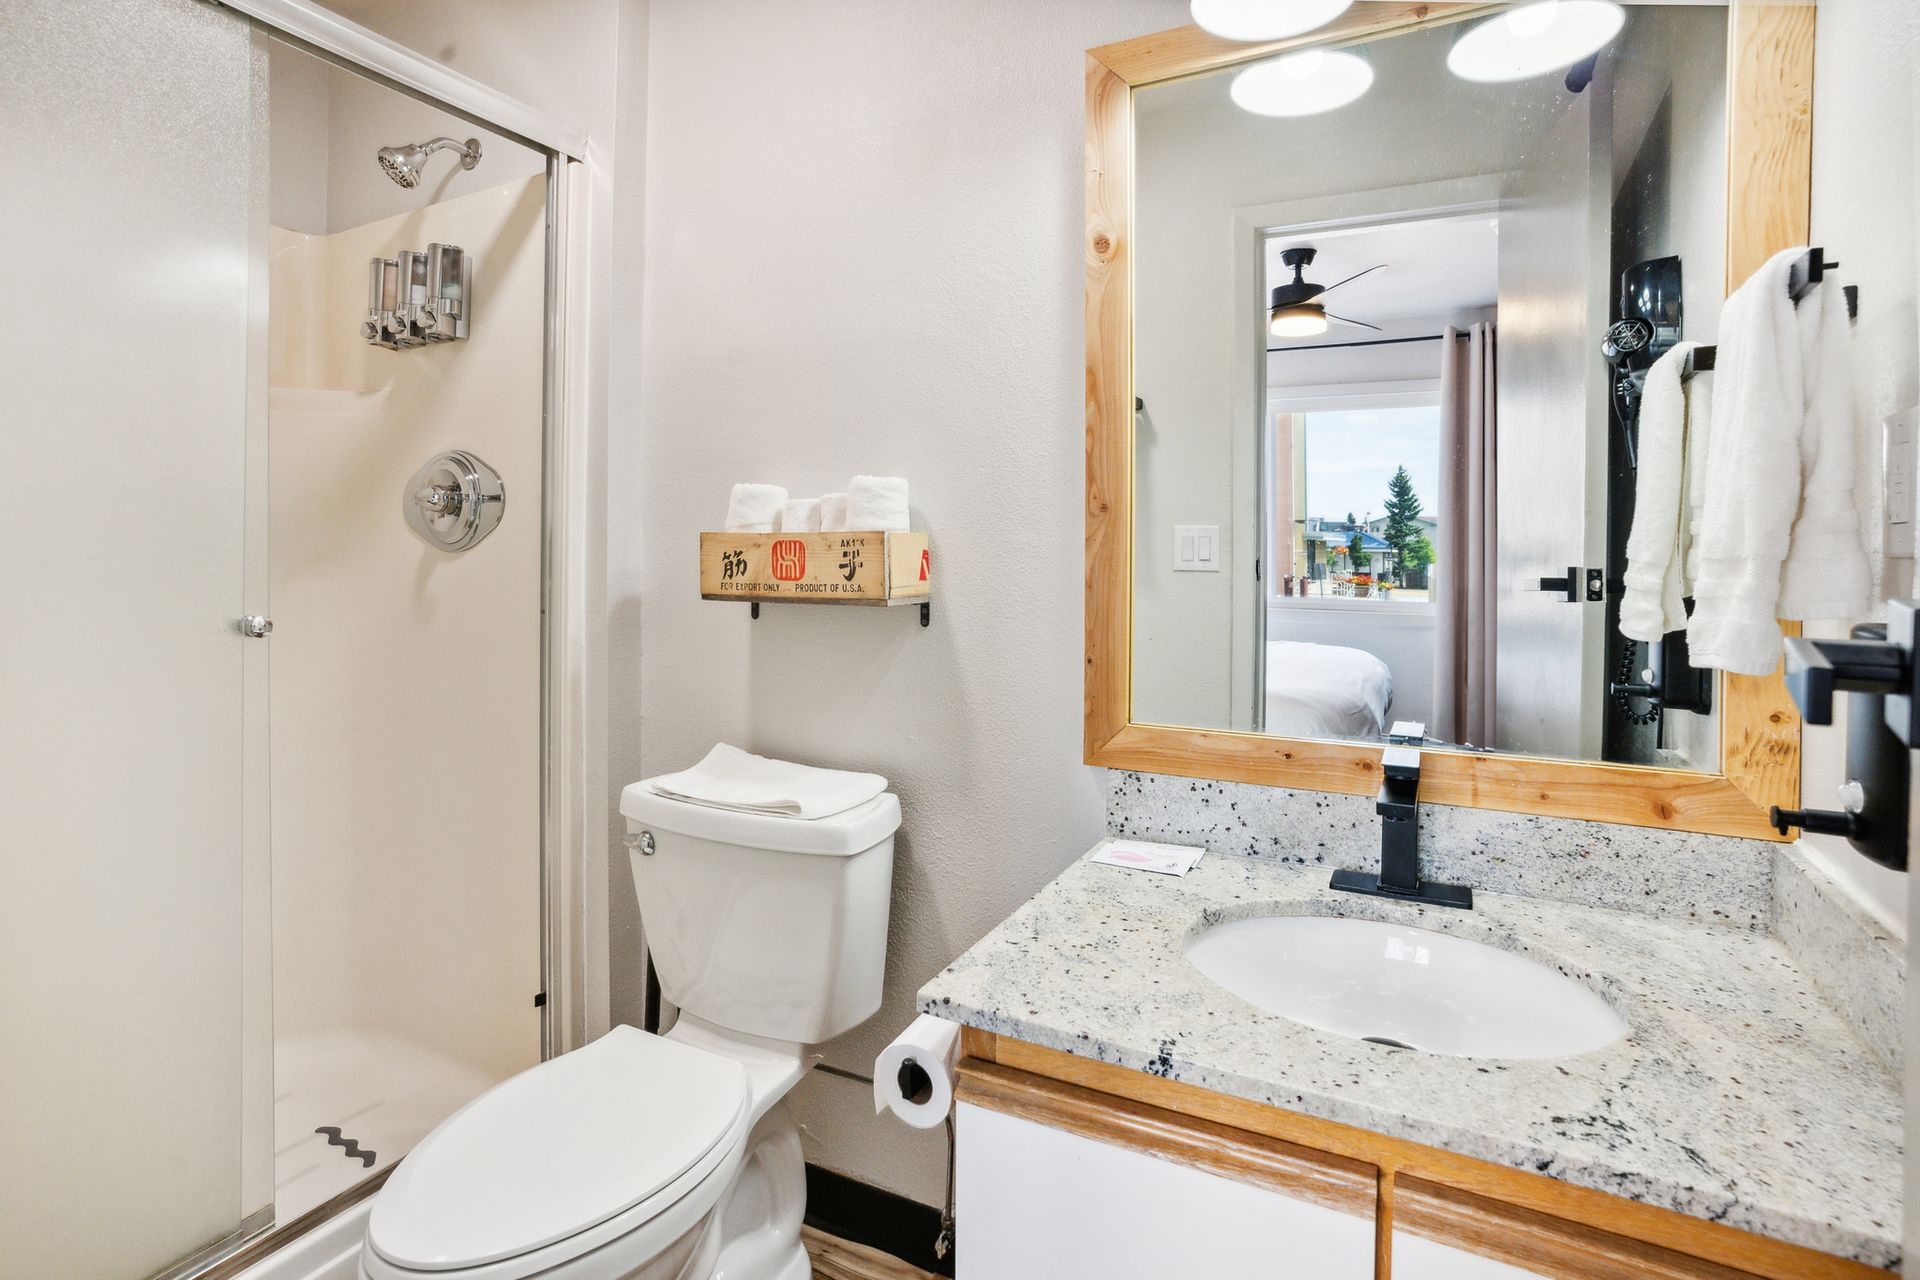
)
(1737, 1096)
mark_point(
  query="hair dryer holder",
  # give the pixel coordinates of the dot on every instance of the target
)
(1876, 669)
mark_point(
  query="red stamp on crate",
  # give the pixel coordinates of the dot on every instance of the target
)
(789, 560)
(925, 564)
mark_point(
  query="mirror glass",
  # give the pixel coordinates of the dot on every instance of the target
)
(1387, 409)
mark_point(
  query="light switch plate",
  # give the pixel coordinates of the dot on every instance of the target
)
(1196, 548)
(1901, 428)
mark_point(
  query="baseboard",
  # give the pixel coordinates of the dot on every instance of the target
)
(905, 1229)
(330, 1251)
(836, 1259)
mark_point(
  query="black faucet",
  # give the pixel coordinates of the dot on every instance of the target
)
(1399, 808)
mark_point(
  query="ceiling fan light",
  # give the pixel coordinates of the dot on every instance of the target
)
(1301, 320)
(1302, 84)
(1534, 39)
(1248, 20)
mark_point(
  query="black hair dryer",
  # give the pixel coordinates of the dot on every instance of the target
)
(1649, 325)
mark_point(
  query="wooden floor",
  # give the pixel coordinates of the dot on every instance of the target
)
(836, 1259)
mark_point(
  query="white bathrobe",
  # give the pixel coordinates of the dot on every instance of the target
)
(1780, 532)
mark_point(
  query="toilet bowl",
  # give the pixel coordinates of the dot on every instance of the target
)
(667, 1157)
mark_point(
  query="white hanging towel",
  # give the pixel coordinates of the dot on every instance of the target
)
(1699, 428)
(1828, 574)
(800, 515)
(1780, 471)
(877, 502)
(755, 508)
(730, 778)
(1653, 602)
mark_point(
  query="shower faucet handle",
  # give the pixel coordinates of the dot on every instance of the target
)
(440, 499)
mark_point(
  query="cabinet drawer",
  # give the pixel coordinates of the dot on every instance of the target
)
(1039, 1203)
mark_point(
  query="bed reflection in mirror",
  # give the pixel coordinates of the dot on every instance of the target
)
(1384, 447)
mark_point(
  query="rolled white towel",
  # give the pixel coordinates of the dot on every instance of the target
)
(755, 508)
(800, 515)
(833, 511)
(877, 502)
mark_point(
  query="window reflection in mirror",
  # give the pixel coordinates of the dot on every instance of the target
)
(1368, 352)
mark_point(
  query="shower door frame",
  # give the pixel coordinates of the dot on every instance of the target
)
(568, 808)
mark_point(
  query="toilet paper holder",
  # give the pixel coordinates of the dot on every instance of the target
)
(916, 1086)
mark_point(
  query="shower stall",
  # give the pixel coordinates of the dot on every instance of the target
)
(277, 677)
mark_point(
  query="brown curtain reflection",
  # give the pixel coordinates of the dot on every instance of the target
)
(1468, 577)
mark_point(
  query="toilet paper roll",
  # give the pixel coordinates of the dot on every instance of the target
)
(913, 1076)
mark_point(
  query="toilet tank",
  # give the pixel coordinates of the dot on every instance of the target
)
(774, 927)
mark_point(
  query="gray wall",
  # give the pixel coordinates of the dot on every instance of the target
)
(1863, 214)
(863, 226)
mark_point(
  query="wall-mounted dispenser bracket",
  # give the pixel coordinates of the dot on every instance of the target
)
(1877, 660)
(1876, 668)
(414, 299)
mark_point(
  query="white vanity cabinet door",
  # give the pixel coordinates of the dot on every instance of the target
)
(1033, 1202)
(1417, 1258)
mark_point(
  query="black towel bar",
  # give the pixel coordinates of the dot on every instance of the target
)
(1808, 272)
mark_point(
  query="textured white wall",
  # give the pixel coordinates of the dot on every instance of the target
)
(863, 254)
(1863, 215)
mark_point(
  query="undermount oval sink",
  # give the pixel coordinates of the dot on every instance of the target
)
(1403, 986)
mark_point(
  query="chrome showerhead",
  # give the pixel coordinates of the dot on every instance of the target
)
(404, 163)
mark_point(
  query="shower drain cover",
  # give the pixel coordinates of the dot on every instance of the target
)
(454, 501)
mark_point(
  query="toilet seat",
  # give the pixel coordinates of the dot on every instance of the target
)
(563, 1159)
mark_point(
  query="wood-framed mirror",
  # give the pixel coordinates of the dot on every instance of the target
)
(1241, 611)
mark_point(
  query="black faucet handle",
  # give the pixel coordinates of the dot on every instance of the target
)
(1400, 763)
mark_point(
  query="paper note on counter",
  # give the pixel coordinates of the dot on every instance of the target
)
(1139, 855)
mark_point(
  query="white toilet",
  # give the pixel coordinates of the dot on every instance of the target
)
(668, 1157)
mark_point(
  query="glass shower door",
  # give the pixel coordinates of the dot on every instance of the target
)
(135, 1052)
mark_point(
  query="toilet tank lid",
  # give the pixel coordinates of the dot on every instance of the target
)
(841, 834)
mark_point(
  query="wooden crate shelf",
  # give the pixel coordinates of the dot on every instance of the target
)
(852, 567)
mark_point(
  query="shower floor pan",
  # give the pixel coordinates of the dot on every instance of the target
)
(349, 1103)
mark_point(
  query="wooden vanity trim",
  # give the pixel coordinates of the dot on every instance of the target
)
(1538, 1242)
(991, 1064)
(1769, 156)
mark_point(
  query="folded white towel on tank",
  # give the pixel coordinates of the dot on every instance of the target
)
(800, 515)
(833, 511)
(877, 502)
(755, 508)
(730, 778)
